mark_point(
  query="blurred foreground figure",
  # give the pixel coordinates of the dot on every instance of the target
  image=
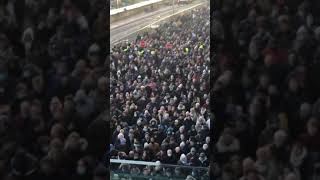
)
(49, 89)
(266, 88)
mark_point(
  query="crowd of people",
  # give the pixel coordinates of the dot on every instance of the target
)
(53, 84)
(159, 98)
(266, 89)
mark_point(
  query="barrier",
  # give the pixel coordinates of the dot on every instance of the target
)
(127, 169)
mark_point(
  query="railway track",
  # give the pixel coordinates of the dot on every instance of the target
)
(125, 30)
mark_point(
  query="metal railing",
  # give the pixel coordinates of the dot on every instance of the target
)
(132, 170)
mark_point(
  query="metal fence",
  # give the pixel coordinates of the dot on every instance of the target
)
(141, 170)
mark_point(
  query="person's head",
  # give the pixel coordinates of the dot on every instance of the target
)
(177, 171)
(264, 80)
(182, 145)
(61, 67)
(284, 23)
(3, 41)
(81, 65)
(297, 148)
(317, 33)
(253, 175)
(313, 126)
(272, 90)
(82, 166)
(58, 131)
(47, 166)
(146, 129)
(136, 156)
(118, 128)
(23, 163)
(56, 155)
(227, 173)
(305, 110)
(291, 176)
(131, 154)
(292, 59)
(157, 168)
(56, 143)
(280, 137)
(87, 84)
(37, 83)
(25, 108)
(226, 77)
(235, 163)
(293, 84)
(190, 178)
(100, 172)
(168, 172)
(55, 105)
(254, 49)
(43, 142)
(146, 171)
(182, 137)
(177, 150)
(73, 142)
(252, 15)
(68, 105)
(193, 151)
(172, 140)
(261, 154)
(202, 155)
(124, 167)
(121, 138)
(27, 39)
(169, 152)
(246, 80)
(93, 55)
(103, 84)
(254, 108)
(144, 154)
(36, 108)
(147, 136)
(191, 141)
(268, 60)
(310, 20)
(227, 138)
(247, 164)
(176, 123)
(205, 147)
